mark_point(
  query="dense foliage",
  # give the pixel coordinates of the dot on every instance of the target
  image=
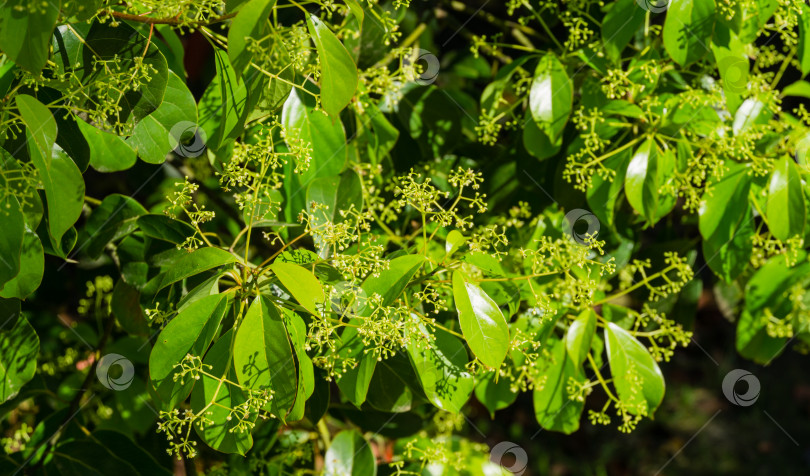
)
(342, 222)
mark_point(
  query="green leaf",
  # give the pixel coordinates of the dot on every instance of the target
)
(61, 178)
(223, 107)
(454, 241)
(580, 334)
(41, 125)
(338, 71)
(726, 223)
(19, 346)
(115, 218)
(482, 322)
(79, 47)
(441, 368)
(646, 174)
(219, 397)
(190, 332)
(537, 142)
(636, 376)
(250, 22)
(326, 137)
(733, 64)
(767, 288)
(495, 395)
(393, 280)
(12, 237)
(355, 381)
(302, 284)
(687, 29)
(339, 194)
(25, 31)
(166, 127)
(297, 329)
(785, 210)
(108, 152)
(31, 264)
(551, 97)
(349, 455)
(804, 40)
(188, 265)
(263, 357)
(553, 408)
(390, 387)
(620, 25)
(603, 192)
(162, 227)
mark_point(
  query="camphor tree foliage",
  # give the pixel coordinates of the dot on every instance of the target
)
(371, 214)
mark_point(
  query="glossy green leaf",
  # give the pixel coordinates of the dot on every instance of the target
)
(61, 179)
(603, 193)
(733, 65)
(553, 408)
(454, 241)
(19, 346)
(165, 228)
(31, 264)
(12, 237)
(646, 174)
(115, 218)
(551, 96)
(786, 211)
(223, 108)
(441, 370)
(218, 398)
(188, 265)
(393, 280)
(638, 381)
(325, 136)
(124, 50)
(297, 329)
(250, 22)
(580, 334)
(620, 25)
(338, 71)
(482, 321)
(25, 32)
(767, 288)
(349, 455)
(190, 332)
(725, 222)
(339, 195)
(803, 52)
(687, 29)
(302, 284)
(168, 126)
(262, 355)
(537, 142)
(495, 395)
(108, 152)
(390, 388)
